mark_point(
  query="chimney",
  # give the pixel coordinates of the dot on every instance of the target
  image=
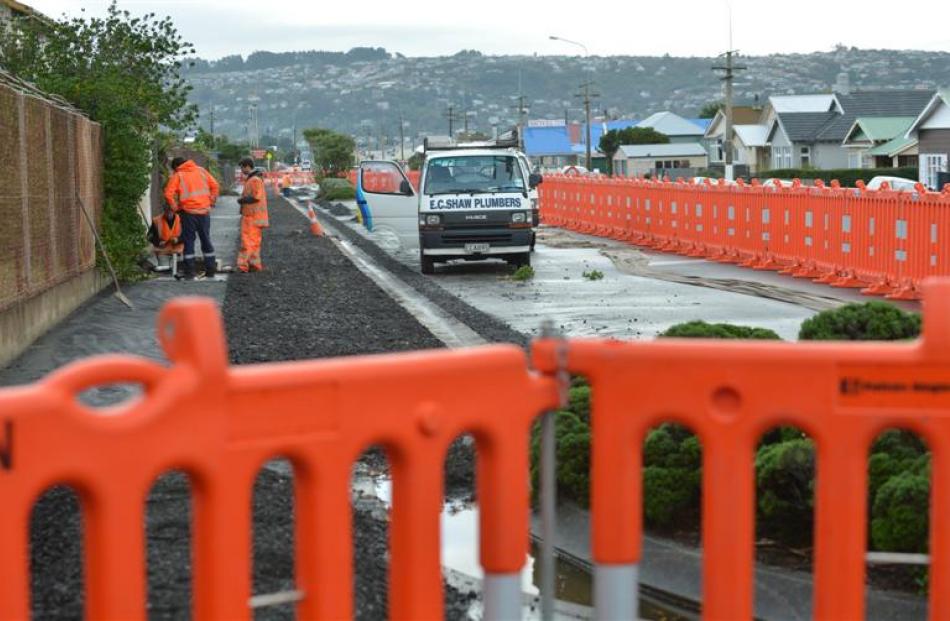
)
(843, 84)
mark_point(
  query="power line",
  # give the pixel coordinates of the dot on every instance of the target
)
(728, 76)
(586, 96)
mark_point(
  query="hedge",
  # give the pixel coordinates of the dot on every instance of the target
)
(845, 176)
(335, 189)
(871, 321)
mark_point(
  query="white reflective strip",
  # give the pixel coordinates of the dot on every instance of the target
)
(897, 558)
(502, 597)
(616, 591)
(275, 599)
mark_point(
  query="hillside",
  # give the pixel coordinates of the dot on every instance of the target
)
(365, 90)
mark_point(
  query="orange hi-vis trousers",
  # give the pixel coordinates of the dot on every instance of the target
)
(250, 256)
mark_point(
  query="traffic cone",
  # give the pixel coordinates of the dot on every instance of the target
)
(315, 227)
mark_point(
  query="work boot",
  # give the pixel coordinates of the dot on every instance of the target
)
(211, 268)
(188, 269)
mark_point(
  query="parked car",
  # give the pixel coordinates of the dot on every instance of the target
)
(897, 184)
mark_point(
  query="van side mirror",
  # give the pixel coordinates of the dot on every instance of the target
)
(534, 180)
(405, 188)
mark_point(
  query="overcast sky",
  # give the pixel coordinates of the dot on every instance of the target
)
(434, 28)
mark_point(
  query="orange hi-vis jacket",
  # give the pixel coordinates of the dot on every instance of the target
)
(167, 232)
(255, 210)
(191, 189)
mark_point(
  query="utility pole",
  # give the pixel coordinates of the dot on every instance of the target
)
(452, 116)
(402, 139)
(586, 96)
(729, 70)
(522, 110)
(212, 125)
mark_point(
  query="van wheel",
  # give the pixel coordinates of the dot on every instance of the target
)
(427, 263)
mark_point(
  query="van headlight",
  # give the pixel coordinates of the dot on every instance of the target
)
(433, 219)
(518, 217)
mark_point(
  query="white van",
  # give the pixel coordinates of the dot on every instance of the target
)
(475, 201)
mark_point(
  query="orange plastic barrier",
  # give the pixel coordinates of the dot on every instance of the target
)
(374, 184)
(221, 424)
(730, 394)
(883, 242)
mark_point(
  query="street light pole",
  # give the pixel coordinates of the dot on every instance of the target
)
(586, 95)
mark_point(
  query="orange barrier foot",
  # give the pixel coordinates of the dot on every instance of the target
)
(789, 270)
(768, 264)
(751, 261)
(879, 288)
(828, 277)
(809, 271)
(907, 292)
(849, 281)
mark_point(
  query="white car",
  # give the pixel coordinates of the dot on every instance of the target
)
(898, 184)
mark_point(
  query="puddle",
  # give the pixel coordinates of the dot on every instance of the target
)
(459, 522)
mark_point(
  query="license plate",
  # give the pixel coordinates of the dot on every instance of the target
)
(476, 248)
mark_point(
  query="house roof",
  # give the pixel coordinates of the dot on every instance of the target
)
(803, 126)
(877, 128)
(835, 125)
(671, 124)
(873, 104)
(802, 103)
(893, 147)
(702, 124)
(942, 96)
(741, 115)
(597, 129)
(752, 135)
(686, 149)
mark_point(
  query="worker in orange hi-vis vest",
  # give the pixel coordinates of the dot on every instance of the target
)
(285, 183)
(192, 191)
(254, 219)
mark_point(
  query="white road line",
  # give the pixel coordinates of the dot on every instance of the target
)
(441, 324)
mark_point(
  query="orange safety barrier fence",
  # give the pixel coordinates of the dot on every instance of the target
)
(383, 186)
(221, 424)
(882, 242)
(730, 394)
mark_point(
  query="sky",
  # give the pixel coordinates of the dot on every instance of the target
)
(435, 27)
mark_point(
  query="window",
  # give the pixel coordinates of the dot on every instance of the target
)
(781, 157)
(805, 153)
(474, 173)
(931, 164)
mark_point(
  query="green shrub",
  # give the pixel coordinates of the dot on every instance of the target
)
(703, 330)
(899, 521)
(670, 495)
(335, 189)
(871, 321)
(573, 457)
(845, 176)
(579, 402)
(784, 478)
(593, 275)
(523, 273)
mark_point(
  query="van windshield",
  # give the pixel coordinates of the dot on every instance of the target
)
(470, 174)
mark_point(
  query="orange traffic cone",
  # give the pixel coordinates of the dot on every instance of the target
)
(315, 227)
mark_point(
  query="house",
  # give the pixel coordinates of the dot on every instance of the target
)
(554, 143)
(931, 128)
(749, 145)
(677, 159)
(676, 127)
(11, 9)
(809, 130)
(879, 142)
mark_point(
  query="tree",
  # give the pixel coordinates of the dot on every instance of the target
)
(332, 152)
(709, 110)
(610, 142)
(124, 73)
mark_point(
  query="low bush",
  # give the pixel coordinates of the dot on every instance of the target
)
(593, 275)
(523, 273)
(784, 481)
(703, 330)
(899, 517)
(871, 321)
(845, 176)
(573, 457)
(334, 189)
